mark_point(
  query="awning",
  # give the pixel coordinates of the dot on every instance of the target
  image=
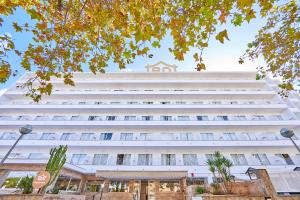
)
(140, 175)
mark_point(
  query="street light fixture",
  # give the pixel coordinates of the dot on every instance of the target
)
(23, 131)
(287, 133)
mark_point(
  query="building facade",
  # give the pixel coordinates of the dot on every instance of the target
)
(157, 125)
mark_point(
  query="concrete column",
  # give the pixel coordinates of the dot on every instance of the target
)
(270, 191)
(106, 185)
(82, 184)
(3, 175)
(183, 188)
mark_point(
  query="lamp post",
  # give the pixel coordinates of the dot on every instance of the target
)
(289, 134)
(23, 131)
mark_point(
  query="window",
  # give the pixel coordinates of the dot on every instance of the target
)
(66, 136)
(240, 117)
(222, 118)
(130, 118)
(87, 136)
(202, 118)
(100, 159)
(183, 118)
(230, 136)
(168, 159)
(258, 117)
(147, 118)
(36, 156)
(209, 156)
(58, 118)
(24, 118)
(186, 136)
(110, 118)
(115, 102)
(145, 159)
(78, 159)
(167, 136)
(180, 102)
(105, 136)
(81, 103)
(48, 136)
(239, 159)
(41, 118)
(233, 102)
(206, 136)
(286, 158)
(276, 117)
(144, 136)
(126, 136)
(98, 102)
(94, 118)
(9, 136)
(123, 159)
(165, 102)
(75, 118)
(132, 102)
(261, 158)
(190, 159)
(148, 102)
(216, 102)
(166, 118)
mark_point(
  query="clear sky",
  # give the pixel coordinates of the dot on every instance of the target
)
(221, 57)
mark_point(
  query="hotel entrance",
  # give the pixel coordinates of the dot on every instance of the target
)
(125, 185)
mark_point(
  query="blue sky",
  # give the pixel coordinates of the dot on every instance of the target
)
(221, 57)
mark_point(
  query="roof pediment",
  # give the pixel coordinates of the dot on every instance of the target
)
(161, 67)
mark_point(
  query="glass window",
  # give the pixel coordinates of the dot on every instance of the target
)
(9, 136)
(168, 159)
(40, 118)
(75, 118)
(24, 118)
(165, 102)
(94, 118)
(59, 118)
(118, 186)
(110, 118)
(36, 156)
(105, 136)
(230, 136)
(145, 136)
(100, 159)
(132, 102)
(262, 158)
(126, 136)
(167, 136)
(169, 186)
(147, 118)
(202, 118)
(183, 118)
(78, 159)
(66, 136)
(148, 102)
(221, 118)
(130, 118)
(239, 159)
(145, 159)
(87, 136)
(166, 118)
(209, 156)
(286, 158)
(240, 117)
(190, 159)
(123, 159)
(206, 136)
(180, 102)
(258, 117)
(48, 136)
(186, 136)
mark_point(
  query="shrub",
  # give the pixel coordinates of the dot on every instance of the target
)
(26, 185)
(200, 190)
(11, 182)
(216, 188)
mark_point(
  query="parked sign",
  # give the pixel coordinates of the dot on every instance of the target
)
(41, 179)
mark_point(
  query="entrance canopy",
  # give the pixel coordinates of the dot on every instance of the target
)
(140, 175)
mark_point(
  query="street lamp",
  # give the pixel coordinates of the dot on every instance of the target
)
(289, 134)
(23, 131)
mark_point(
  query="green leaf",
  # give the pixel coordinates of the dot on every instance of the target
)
(17, 27)
(222, 35)
(34, 14)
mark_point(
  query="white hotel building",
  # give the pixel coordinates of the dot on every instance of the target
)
(158, 124)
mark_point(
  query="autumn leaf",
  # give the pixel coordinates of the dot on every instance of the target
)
(17, 27)
(221, 36)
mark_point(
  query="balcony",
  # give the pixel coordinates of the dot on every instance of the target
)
(145, 107)
(152, 143)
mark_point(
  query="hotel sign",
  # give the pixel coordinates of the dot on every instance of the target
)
(41, 179)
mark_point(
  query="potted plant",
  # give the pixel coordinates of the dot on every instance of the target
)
(26, 185)
(200, 191)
